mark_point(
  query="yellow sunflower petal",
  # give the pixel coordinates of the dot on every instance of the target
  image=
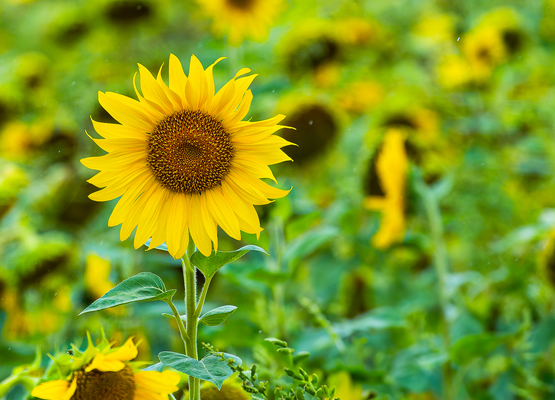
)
(126, 111)
(197, 228)
(196, 89)
(149, 217)
(124, 204)
(100, 363)
(125, 353)
(157, 382)
(117, 131)
(208, 221)
(210, 85)
(176, 212)
(178, 79)
(153, 92)
(222, 213)
(53, 390)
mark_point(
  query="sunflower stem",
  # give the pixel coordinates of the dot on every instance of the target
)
(441, 263)
(189, 276)
(202, 297)
(180, 325)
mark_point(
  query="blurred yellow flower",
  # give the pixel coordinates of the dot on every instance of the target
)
(454, 72)
(105, 373)
(360, 96)
(345, 389)
(546, 261)
(184, 161)
(436, 28)
(18, 140)
(231, 390)
(392, 169)
(484, 50)
(357, 31)
(240, 19)
(97, 273)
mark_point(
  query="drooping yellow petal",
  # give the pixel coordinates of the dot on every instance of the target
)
(197, 228)
(53, 390)
(222, 213)
(100, 363)
(177, 208)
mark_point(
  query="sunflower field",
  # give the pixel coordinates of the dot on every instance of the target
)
(277, 200)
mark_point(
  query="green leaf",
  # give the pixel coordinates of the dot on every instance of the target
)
(308, 242)
(473, 346)
(211, 368)
(210, 265)
(217, 315)
(141, 287)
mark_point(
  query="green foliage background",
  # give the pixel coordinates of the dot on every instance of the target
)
(377, 314)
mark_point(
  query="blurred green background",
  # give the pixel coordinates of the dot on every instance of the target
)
(461, 290)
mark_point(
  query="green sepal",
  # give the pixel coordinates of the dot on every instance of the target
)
(277, 342)
(217, 315)
(210, 265)
(141, 287)
(211, 368)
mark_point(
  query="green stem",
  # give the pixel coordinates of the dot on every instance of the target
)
(200, 304)
(441, 264)
(180, 325)
(192, 320)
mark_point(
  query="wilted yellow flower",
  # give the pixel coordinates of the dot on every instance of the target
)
(241, 19)
(105, 373)
(184, 161)
(391, 168)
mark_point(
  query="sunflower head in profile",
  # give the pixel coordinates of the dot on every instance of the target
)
(183, 160)
(240, 19)
(101, 372)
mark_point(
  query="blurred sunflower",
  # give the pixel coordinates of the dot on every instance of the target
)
(391, 169)
(183, 161)
(230, 390)
(484, 49)
(105, 373)
(241, 19)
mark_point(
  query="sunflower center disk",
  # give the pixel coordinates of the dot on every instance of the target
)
(189, 152)
(96, 385)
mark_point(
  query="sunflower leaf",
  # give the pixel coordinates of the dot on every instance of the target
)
(211, 368)
(141, 287)
(217, 315)
(210, 265)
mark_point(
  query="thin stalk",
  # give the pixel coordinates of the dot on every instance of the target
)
(180, 325)
(441, 264)
(192, 320)
(200, 304)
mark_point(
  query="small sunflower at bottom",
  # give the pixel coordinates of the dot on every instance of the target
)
(101, 372)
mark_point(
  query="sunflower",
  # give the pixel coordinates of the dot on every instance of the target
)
(183, 161)
(105, 373)
(391, 168)
(240, 19)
